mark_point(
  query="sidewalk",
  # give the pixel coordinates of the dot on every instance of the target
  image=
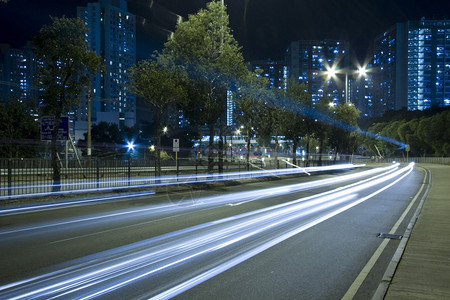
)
(424, 269)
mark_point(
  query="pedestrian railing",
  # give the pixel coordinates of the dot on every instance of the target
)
(20, 177)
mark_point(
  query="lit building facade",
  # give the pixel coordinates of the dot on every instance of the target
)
(428, 64)
(390, 65)
(361, 91)
(275, 72)
(308, 61)
(18, 68)
(412, 64)
(112, 36)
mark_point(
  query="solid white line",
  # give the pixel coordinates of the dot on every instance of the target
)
(389, 274)
(184, 286)
(351, 292)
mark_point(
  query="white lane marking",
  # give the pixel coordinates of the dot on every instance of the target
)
(351, 292)
(243, 202)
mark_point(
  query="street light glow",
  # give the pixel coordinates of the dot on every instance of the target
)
(130, 146)
(362, 71)
(331, 72)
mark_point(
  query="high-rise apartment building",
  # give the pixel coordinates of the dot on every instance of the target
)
(428, 64)
(308, 61)
(412, 64)
(390, 70)
(17, 72)
(361, 91)
(112, 36)
(274, 71)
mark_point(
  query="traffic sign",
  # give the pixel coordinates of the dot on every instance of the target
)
(176, 145)
(47, 125)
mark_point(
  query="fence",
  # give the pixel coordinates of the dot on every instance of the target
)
(35, 176)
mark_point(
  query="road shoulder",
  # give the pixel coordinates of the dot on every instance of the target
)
(424, 269)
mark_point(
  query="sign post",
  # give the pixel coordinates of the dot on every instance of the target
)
(176, 149)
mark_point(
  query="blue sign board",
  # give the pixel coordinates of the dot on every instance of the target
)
(47, 125)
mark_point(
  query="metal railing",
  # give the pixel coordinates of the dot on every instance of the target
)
(35, 176)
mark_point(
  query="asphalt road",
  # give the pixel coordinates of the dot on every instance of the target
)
(304, 237)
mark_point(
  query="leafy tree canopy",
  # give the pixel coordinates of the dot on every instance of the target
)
(18, 129)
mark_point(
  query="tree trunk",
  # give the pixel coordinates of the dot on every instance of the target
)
(55, 164)
(221, 154)
(276, 152)
(294, 151)
(249, 144)
(158, 146)
(307, 150)
(320, 152)
(211, 148)
(221, 146)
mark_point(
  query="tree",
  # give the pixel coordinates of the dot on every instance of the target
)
(211, 57)
(17, 129)
(391, 131)
(162, 88)
(322, 129)
(106, 139)
(278, 119)
(65, 65)
(295, 105)
(343, 134)
(433, 132)
(250, 103)
(408, 135)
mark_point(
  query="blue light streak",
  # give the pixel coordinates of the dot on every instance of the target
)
(103, 273)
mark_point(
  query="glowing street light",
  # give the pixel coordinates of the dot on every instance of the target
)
(332, 72)
(362, 71)
(130, 146)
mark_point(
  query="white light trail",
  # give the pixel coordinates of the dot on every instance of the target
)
(151, 182)
(240, 237)
(156, 210)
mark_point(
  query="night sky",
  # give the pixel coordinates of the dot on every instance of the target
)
(264, 28)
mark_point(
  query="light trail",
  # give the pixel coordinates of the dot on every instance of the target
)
(203, 247)
(152, 182)
(159, 210)
(234, 197)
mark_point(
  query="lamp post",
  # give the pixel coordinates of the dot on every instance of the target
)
(333, 71)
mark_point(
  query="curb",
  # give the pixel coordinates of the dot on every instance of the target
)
(383, 287)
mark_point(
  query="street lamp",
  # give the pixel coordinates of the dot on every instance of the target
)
(130, 146)
(362, 71)
(332, 72)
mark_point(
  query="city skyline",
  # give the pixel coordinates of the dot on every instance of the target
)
(264, 29)
(310, 72)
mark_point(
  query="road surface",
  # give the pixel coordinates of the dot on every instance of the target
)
(303, 237)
